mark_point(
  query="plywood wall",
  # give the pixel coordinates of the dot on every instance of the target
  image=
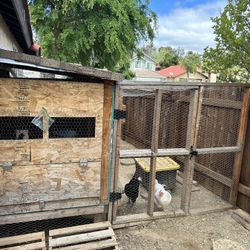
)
(62, 99)
(49, 170)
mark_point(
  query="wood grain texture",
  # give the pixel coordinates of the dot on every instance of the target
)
(106, 139)
(31, 62)
(22, 188)
(240, 142)
(64, 99)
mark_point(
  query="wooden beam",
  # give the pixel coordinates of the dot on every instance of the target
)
(242, 217)
(148, 152)
(240, 142)
(243, 189)
(191, 140)
(154, 148)
(116, 154)
(218, 150)
(214, 175)
(106, 133)
(46, 215)
(127, 83)
(34, 62)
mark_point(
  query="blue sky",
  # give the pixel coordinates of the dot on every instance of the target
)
(186, 23)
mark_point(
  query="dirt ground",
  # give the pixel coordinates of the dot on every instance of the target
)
(184, 233)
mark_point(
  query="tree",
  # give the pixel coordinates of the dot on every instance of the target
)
(232, 51)
(99, 33)
(168, 56)
(190, 62)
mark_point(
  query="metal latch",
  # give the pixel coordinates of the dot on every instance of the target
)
(193, 152)
(120, 114)
(114, 196)
(83, 163)
(7, 166)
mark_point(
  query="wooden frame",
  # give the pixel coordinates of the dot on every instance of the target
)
(116, 155)
(154, 148)
(32, 241)
(106, 140)
(92, 236)
(196, 102)
(191, 141)
(241, 143)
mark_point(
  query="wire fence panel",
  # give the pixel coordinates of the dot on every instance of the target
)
(209, 115)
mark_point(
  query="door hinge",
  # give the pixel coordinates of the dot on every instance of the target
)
(120, 114)
(114, 196)
(193, 152)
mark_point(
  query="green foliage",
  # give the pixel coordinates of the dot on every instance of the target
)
(168, 56)
(191, 61)
(99, 33)
(231, 56)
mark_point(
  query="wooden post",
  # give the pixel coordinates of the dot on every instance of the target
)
(107, 120)
(116, 156)
(240, 142)
(154, 147)
(191, 140)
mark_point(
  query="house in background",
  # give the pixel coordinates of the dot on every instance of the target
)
(15, 31)
(144, 69)
(177, 73)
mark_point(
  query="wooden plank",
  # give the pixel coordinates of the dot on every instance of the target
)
(80, 238)
(155, 84)
(80, 229)
(33, 63)
(126, 153)
(24, 217)
(117, 145)
(31, 246)
(25, 186)
(218, 150)
(142, 217)
(154, 148)
(92, 246)
(216, 176)
(191, 140)
(25, 238)
(106, 134)
(242, 217)
(240, 142)
(244, 190)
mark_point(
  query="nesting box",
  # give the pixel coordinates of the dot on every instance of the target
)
(55, 145)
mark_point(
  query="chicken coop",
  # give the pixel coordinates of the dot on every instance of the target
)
(55, 139)
(190, 137)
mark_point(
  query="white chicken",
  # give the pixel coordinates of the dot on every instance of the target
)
(162, 197)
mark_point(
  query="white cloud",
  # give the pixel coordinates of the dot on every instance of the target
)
(189, 28)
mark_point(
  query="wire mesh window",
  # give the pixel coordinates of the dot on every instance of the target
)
(73, 127)
(19, 128)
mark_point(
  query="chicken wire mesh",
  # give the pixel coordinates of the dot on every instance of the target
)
(137, 132)
(15, 229)
(213, 173)
(218, 127)
(220, 115)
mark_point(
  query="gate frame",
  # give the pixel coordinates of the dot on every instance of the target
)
(193, 127)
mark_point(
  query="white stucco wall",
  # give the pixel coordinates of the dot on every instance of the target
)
(7, 40)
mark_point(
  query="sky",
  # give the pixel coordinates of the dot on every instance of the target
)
(186, 23)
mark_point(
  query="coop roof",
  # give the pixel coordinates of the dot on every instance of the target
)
(35, 63)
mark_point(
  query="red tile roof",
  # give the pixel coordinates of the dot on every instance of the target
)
(173, 71)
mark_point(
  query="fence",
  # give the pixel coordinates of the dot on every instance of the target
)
(191, 135)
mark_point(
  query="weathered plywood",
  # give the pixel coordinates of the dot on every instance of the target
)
(19, 97)
(44, 183)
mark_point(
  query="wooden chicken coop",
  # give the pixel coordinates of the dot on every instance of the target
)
(55, 139)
